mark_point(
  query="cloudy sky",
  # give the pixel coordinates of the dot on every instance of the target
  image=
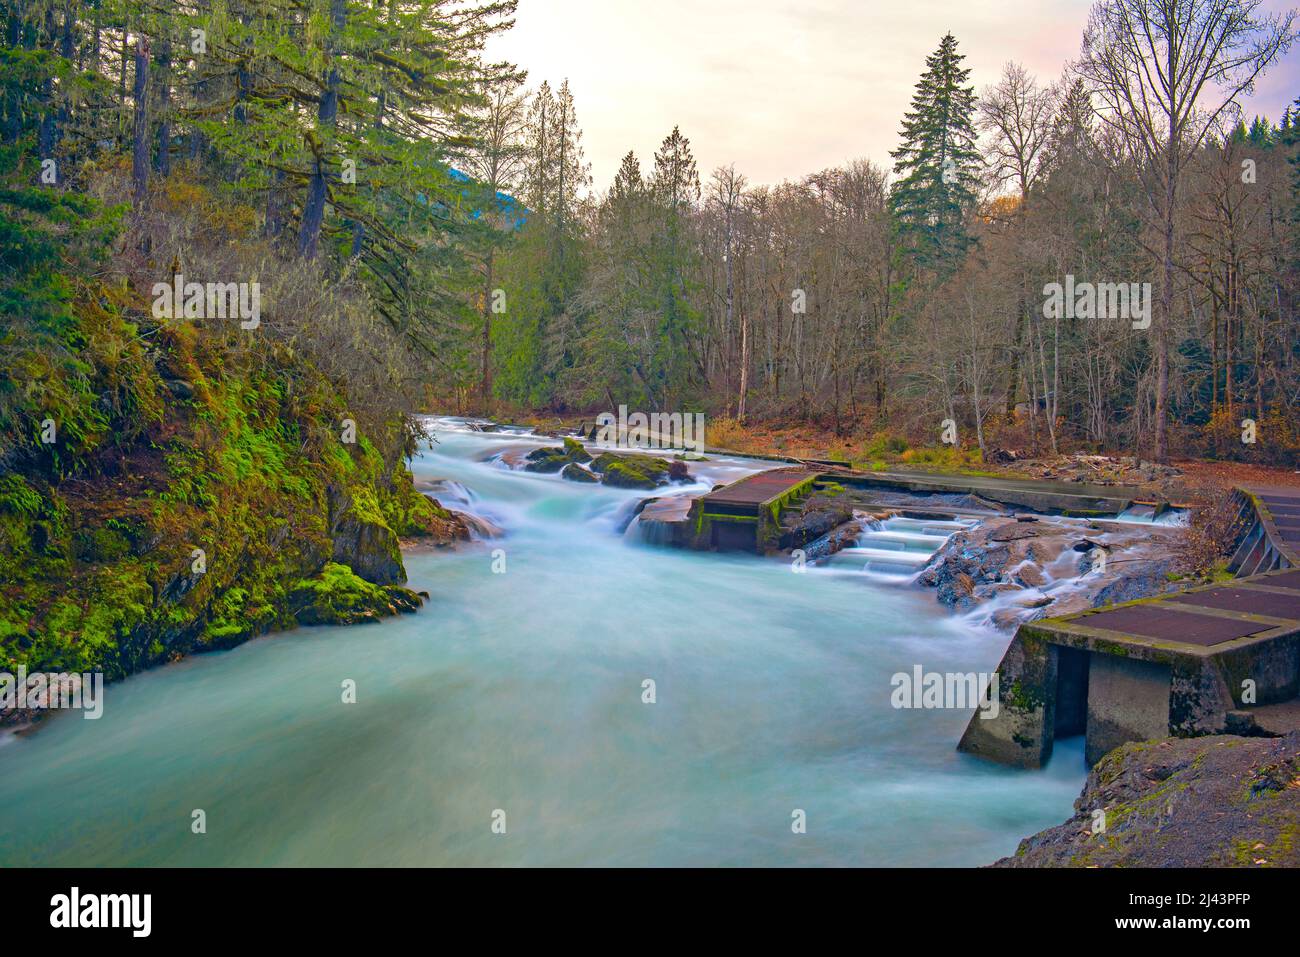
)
(783, 88)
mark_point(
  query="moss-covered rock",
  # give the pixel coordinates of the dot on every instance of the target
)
(631, 470)
(363, 540)
(549, 459)
(576, 451)
(1218, 801)
(576, 473)
(553, 459)
(338, 596)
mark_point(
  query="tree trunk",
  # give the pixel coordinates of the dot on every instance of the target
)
(744, 366)
(163, 162)
(1166, 308)
(313, 214)
(140, 153)
(485, 382)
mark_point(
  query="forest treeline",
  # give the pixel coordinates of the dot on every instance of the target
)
(890, 296)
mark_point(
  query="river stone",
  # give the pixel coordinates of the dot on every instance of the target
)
(547, 459)
(552, 459)
(1031, 576)
(814, 523)
(369, 547)
(576, 473)
(1015, 532)
(1141, 558)
(575, 450)
(631, 471)
(678, 472)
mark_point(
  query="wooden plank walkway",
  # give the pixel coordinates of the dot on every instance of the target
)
(753, 491)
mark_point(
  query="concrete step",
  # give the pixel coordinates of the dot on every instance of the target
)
(1268, 720)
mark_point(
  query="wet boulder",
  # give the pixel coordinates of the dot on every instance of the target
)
(574, 472)
(554, 458)
(548, 459)
(678, 472)
(575, 450)
(816, 521)
(632, 471)
(338, 596)
(363, 541)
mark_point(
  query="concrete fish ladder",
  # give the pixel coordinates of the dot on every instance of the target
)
(1215, 658)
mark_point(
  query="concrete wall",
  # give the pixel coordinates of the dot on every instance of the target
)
(1022, 733)
(1128, 700)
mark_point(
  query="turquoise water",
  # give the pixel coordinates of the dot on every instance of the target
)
(521, 692)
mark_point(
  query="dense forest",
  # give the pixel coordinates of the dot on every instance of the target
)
(890, 296)
(184, 471)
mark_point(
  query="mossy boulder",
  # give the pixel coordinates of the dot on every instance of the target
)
(576, 473)
(338, 596)
(364, 541)
(576, 451)
(549, 459)
(554, 459)
(429, 522)
(632, 471)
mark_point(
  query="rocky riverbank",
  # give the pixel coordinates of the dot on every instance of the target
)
(243, 509)
(1217, 801)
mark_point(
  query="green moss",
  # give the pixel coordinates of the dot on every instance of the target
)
(630, 470)
(98, 528)
(338, 596)
(1022, 698)
(575, 451)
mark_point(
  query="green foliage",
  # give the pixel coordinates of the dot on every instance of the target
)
(938, 161)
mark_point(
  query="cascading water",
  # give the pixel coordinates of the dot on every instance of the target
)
(522, 688)
(897, 547)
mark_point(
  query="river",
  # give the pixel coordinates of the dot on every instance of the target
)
(516, 698)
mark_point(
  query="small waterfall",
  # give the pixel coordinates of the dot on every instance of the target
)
(480, 528)
(653, 521)
(1147, 515)
(896, 548)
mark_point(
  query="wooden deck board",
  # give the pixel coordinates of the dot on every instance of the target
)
(761, 487)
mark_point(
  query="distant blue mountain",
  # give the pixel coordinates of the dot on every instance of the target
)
(514, 213)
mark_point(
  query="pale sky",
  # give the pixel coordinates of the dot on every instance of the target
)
(783, 88)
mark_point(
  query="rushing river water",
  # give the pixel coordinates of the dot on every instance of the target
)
(520, 691)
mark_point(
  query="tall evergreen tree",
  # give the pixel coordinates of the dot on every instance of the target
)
(675, 188)
(938, 162)
(543, 273)
(621, 336)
